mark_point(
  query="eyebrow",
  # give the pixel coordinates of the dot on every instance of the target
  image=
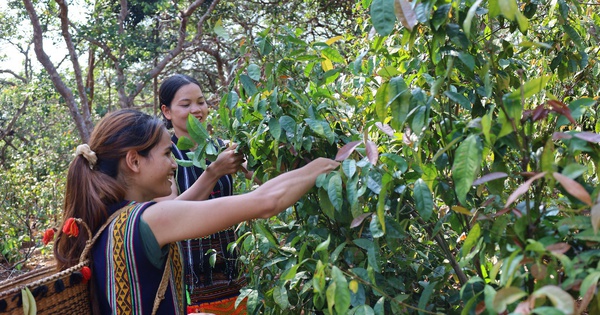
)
(189, 99)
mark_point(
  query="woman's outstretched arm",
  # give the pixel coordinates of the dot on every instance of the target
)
(177, 220)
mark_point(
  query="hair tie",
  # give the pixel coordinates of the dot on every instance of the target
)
(88, 154)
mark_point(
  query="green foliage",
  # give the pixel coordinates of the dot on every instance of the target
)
(468, 134)
(32, 177)
(470, 153)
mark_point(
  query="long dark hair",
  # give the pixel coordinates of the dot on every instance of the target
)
(91, 189)
(169, 87)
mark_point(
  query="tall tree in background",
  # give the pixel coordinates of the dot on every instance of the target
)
(117, 44)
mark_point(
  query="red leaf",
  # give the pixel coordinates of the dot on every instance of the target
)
(561, 108)
(501, 212)
(345, 151)
(488, 177)
(561, 135)
(372, 153)
(358, 220)
(385, 128)
(522, 189)
(588, 136)
(558, 248)
(540, 113)
(405, 14)
(573, 188)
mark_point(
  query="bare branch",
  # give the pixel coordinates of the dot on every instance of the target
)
(8, 129)
(64, 22)
(24, 80)
(60, 86)
(181, 43)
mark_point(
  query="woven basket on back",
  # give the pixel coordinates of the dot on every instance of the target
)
(55, 292)
(63, 292)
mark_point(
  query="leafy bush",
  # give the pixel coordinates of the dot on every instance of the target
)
(469, 139)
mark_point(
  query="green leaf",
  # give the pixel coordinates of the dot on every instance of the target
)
(334, 190)
(440, 15)
(281, 297)
(426, 295)
(508, 8)
(469, 18)
(385, 186)
(382, 16)
(381, 100)
(494, 8)
(248, 84)
(254, 72)
(467, 59)
(596, 217)
(507, 296)
(326, 205)
(577, 108)
(349, 167)
(333, 55)
(373, 258)
(575, 37)
(561, 299)
(530, 88)
(466, 166)
(275, 128)
(548, 157)
(398, 98)
(288, 124)
(321, 128)
(267, 233)
(319, 280)
(362, 310)
(220, 30)
(590, 281)
(342, 292)
(459, 98)
(185, 143)
(471, 239)
(423, 199)
(324, 246)
(197, 130)
(232, 99)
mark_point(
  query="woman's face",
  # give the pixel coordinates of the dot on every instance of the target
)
(188, 100)
(157, 170)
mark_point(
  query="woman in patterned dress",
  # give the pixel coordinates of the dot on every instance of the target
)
(210, 289)
(127, 164)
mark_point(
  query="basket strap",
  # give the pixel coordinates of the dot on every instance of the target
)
(90, 242)
(162, 288)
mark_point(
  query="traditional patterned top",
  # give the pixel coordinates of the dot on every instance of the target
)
(205, 283)
(126, 279)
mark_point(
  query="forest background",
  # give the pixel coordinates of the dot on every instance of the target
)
(468, 131)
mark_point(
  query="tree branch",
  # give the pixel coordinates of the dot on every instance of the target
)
(64, 23)
(57, 81)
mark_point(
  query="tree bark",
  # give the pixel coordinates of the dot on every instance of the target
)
(64, 23)
(63, 90)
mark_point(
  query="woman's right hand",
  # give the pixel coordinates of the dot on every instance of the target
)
(228, 162)
(323, 165)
